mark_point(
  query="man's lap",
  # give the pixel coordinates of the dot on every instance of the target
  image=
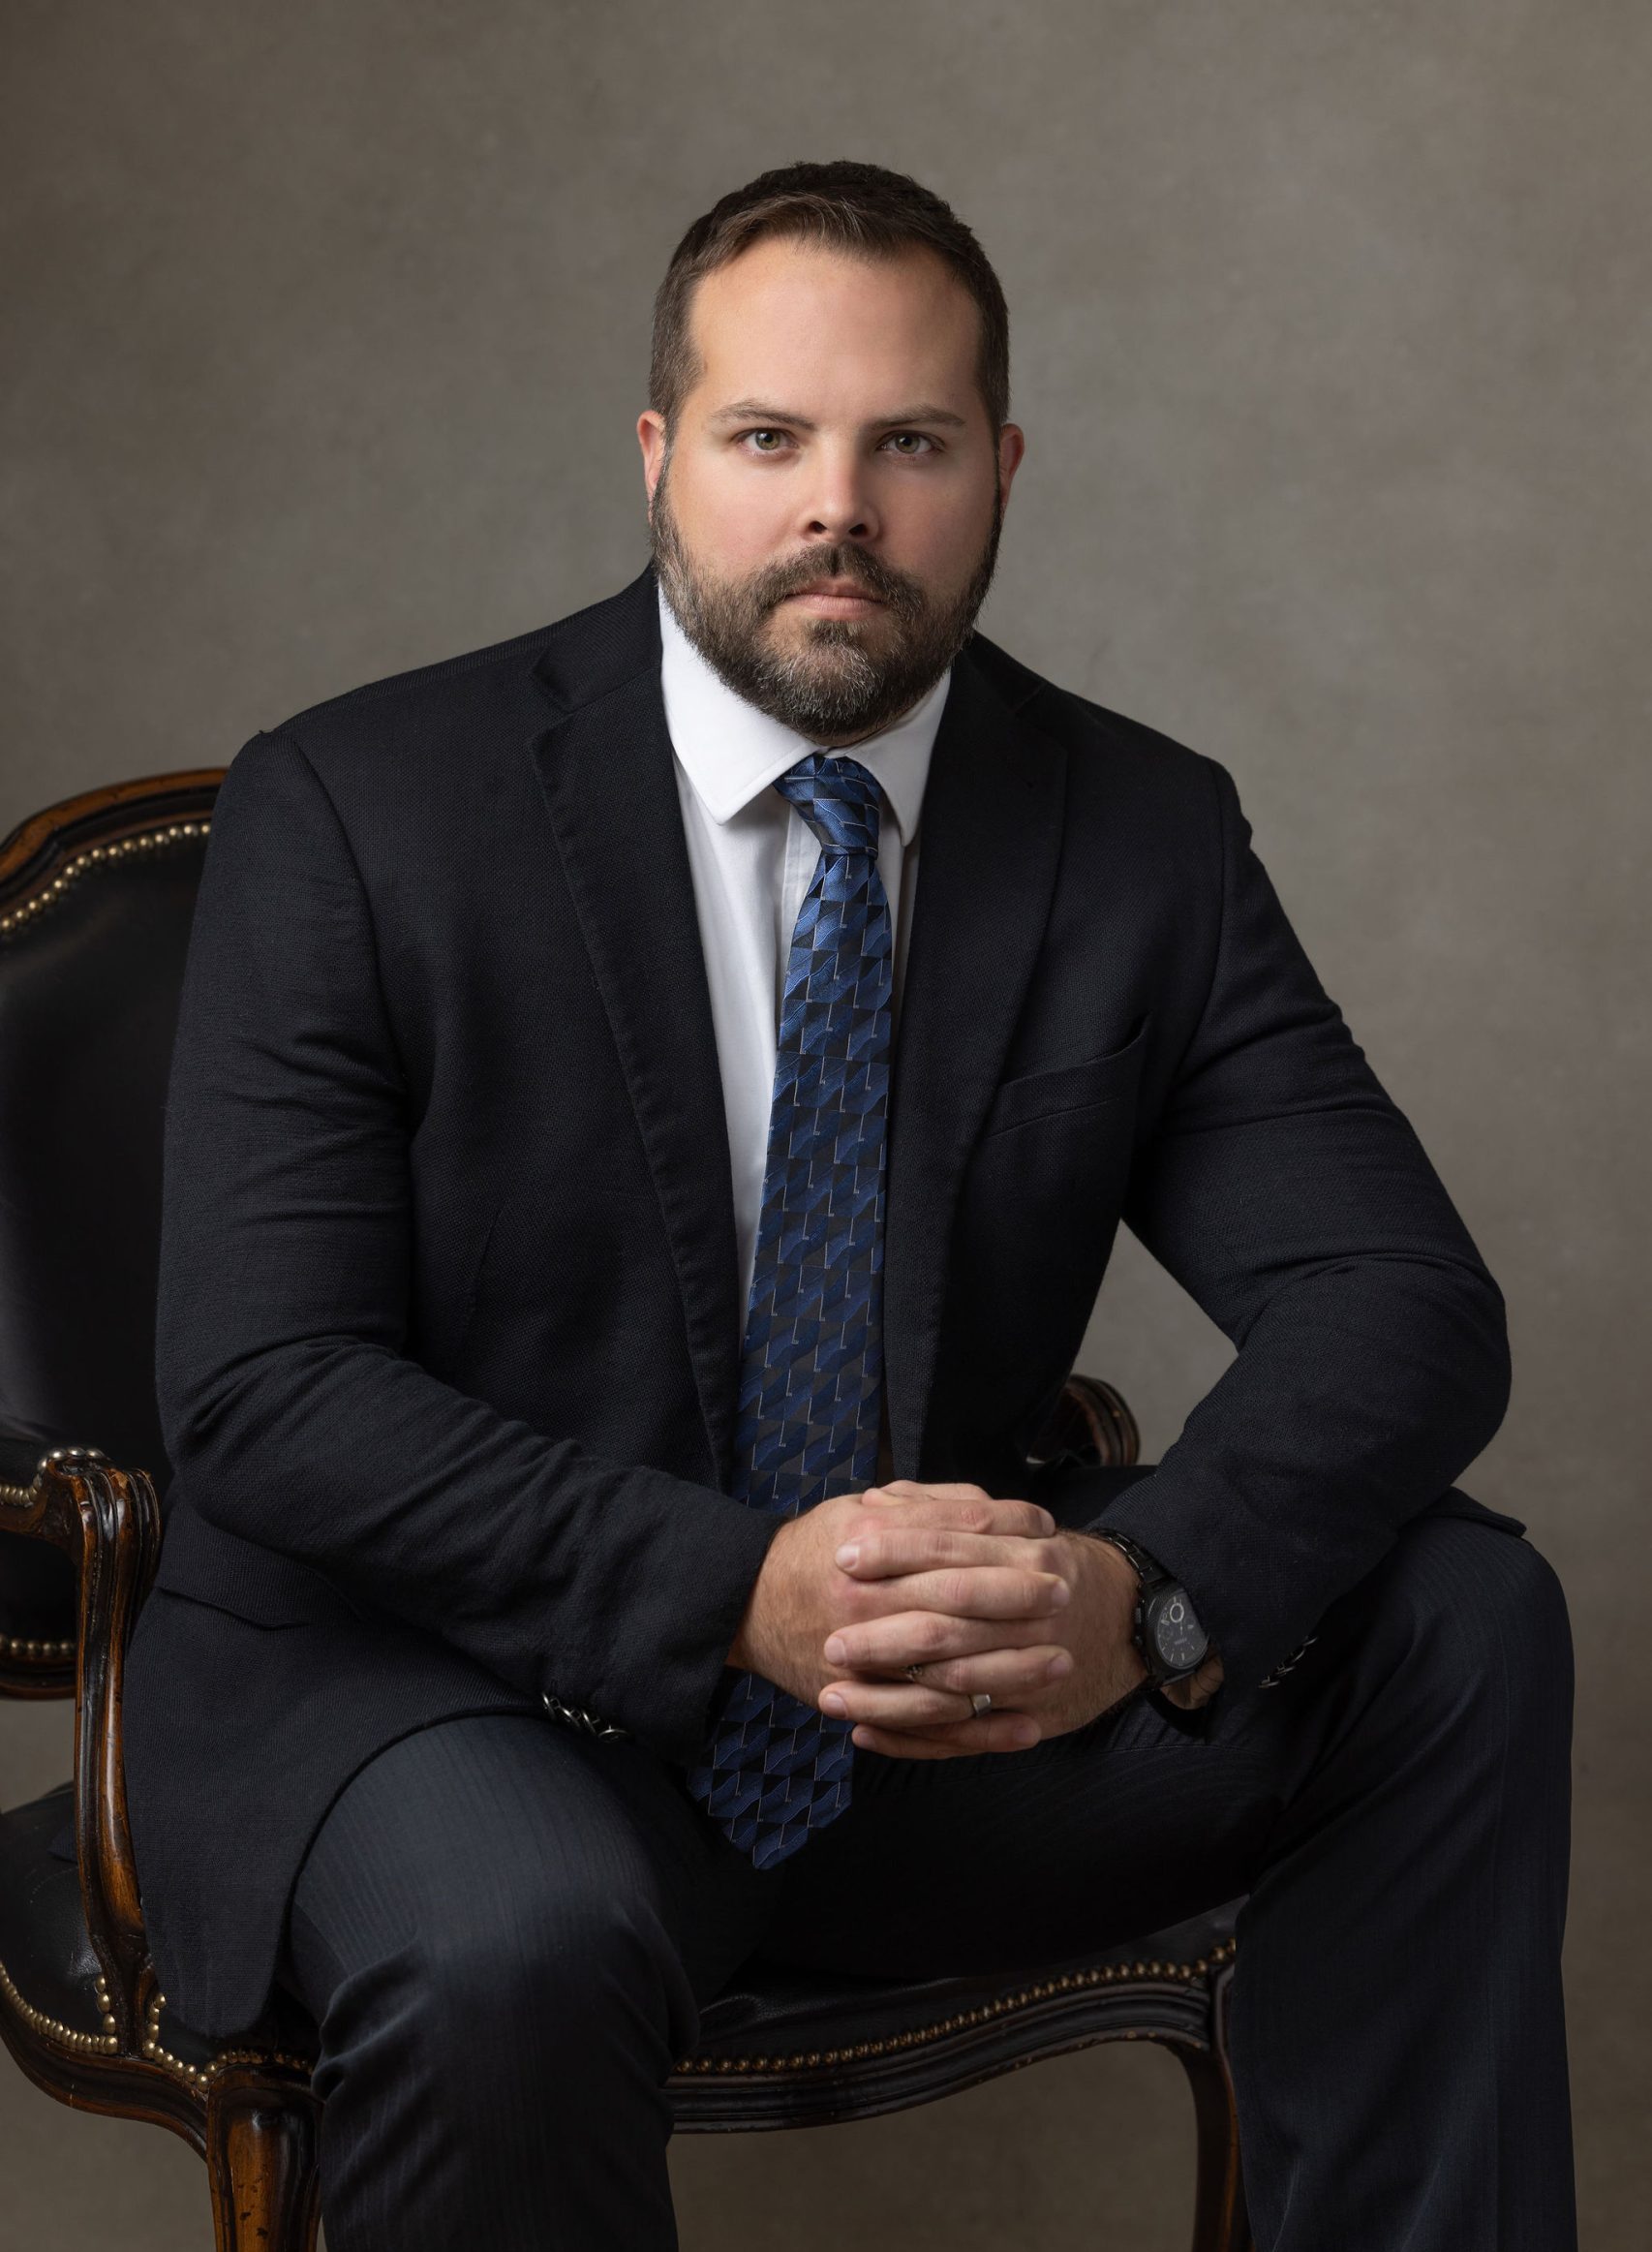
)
(937, 1867)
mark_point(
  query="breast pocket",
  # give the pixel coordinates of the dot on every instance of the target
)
(1092, 1083)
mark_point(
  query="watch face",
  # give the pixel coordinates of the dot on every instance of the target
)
(1173, 1628)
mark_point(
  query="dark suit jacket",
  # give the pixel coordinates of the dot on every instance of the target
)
(448, 1324)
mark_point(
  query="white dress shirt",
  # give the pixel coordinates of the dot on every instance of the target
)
(752, 856)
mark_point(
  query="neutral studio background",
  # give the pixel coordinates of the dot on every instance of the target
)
(1330, 334)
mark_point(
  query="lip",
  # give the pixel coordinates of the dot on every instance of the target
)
(837, 601)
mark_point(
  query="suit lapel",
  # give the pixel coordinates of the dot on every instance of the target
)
(607, 771)
(990, 831)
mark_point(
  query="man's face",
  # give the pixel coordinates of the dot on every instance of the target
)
(835, 434)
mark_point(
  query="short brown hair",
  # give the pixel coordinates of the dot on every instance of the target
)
(844, 205)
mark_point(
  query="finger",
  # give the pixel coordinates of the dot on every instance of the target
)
(894, 1704)
(1198, 1689)
(901, 1638)
(992, 1732)
(1010, 1677)
(908, 1544)
(966, 1506)
(981, 1591)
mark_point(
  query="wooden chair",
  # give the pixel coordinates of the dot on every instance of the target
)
(96, 896)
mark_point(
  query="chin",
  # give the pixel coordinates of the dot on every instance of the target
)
(821, 638)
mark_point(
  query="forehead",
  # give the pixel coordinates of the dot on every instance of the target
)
(816, 329)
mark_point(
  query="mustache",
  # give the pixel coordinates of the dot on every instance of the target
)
(870, 574)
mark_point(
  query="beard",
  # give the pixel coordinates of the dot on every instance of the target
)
(848, 677)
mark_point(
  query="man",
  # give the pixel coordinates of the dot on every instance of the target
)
(652, 1107)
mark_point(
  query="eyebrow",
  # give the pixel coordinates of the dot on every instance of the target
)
(757, 410)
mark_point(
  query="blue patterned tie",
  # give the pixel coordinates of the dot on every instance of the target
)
(812, 1376)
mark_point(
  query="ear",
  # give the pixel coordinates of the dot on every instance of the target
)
(651, 437)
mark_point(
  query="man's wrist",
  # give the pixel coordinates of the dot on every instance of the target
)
(1169, 1636)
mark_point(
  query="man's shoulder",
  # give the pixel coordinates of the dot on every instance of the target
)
(1114, 743)
(426, 703)
(492, 686)
(465, 673)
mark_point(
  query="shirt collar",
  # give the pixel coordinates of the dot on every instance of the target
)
(731, 752)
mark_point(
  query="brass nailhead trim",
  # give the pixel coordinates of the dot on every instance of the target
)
(144, 840)
(200, 2076)
(53, 2027)
(1183, 1973)
(17, 1644)
(107, 2042)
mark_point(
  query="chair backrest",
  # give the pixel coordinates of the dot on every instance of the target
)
(97, 895)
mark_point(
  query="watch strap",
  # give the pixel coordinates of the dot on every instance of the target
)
(1147, 1568)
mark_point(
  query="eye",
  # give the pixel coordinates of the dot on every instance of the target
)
(920, 434)
(745, 434)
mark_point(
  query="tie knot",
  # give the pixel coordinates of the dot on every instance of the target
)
(838, 797)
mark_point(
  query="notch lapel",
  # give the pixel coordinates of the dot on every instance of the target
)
(607, 772)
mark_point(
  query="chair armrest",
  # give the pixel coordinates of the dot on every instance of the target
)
(1090, 1422)
(108, 1521)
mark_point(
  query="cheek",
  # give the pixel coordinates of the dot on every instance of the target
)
(735, 524)
(939, 535)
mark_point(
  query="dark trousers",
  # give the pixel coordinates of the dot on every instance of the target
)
(507, 1929)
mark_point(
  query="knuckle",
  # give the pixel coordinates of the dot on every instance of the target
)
(854, 1602)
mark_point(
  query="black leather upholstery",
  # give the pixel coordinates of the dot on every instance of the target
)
(36, 1581)
(88, 1006)
(44, 1945)
(89, 985)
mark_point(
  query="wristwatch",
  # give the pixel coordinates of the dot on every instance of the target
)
(1166, 1626)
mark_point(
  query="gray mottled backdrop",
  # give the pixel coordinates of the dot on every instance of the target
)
(1330, 339)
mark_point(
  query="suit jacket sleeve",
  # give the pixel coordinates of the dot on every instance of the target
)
(1286, 1192)
(288, 1401)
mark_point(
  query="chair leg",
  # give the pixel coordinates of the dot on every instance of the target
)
(260, 2161)
(1220, 2223)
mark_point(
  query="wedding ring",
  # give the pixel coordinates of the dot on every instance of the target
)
(979, 1698)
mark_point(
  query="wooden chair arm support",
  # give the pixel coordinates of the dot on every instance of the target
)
(108, 1521)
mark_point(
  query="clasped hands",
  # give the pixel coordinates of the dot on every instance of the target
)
(981, 1593)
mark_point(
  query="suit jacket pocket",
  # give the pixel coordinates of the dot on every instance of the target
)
(1089, 1084)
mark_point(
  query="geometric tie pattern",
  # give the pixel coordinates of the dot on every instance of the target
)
(772, 1767)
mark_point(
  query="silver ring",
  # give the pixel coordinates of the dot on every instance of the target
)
(980, 1701)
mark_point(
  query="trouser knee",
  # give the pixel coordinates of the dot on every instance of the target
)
(551, 1987)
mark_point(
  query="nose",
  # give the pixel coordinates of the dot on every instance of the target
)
(836, 501)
